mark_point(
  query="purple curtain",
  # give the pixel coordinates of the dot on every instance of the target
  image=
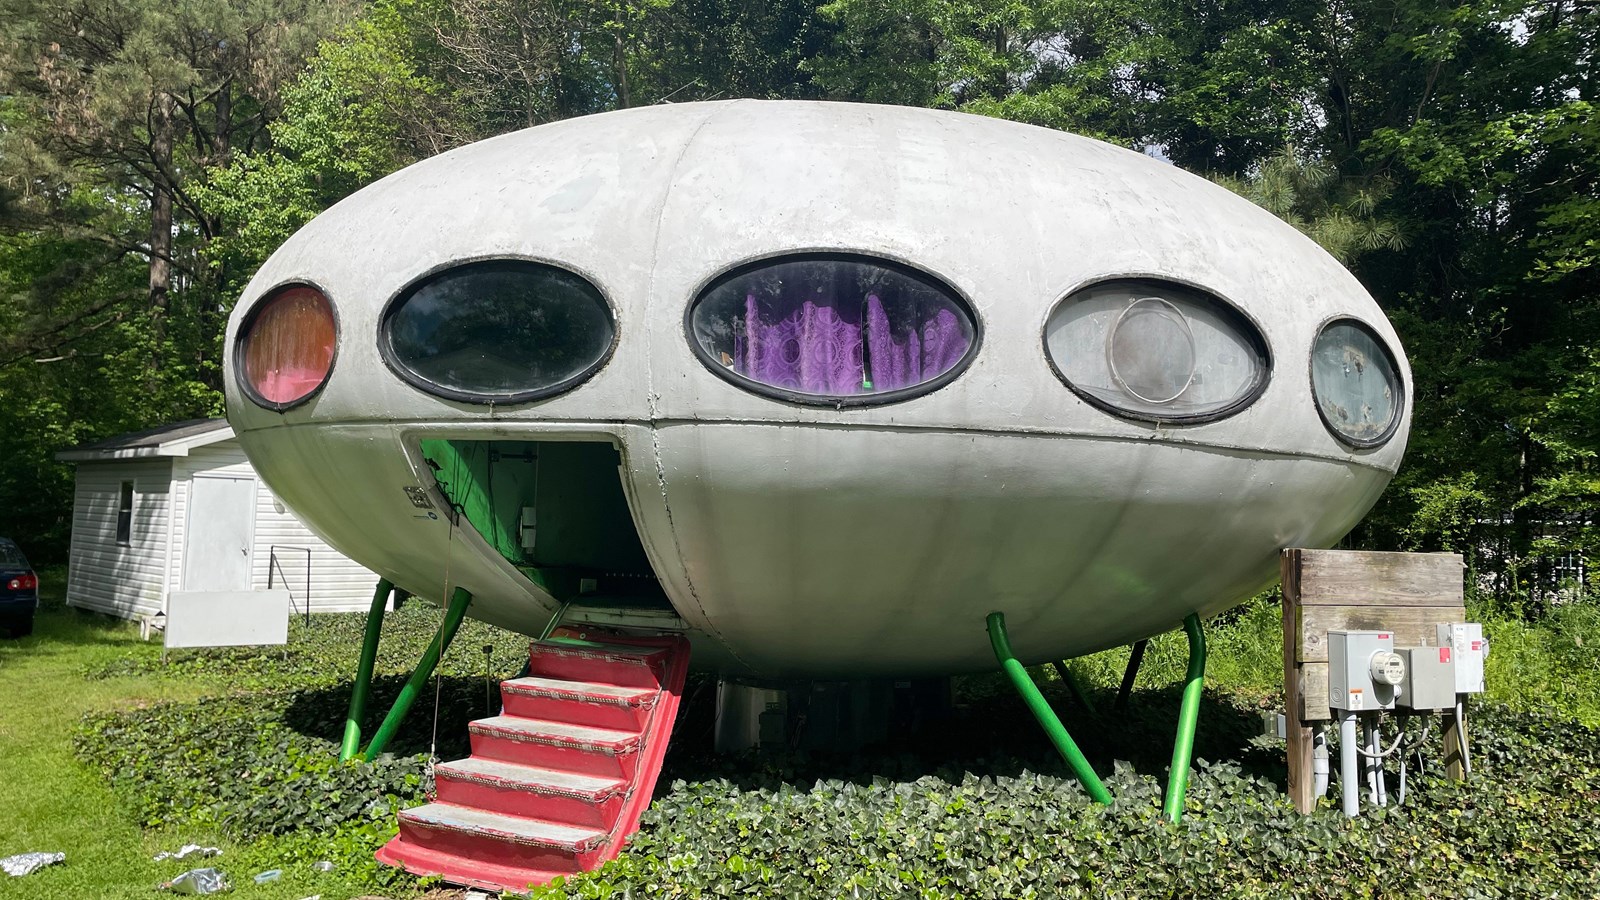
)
(815, 351)
(928, 351)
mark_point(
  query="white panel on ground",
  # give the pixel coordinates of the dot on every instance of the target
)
(227, 618)
(220, 534)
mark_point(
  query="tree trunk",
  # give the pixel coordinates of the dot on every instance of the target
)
(161, 206)
(161, 128)
(619, 65)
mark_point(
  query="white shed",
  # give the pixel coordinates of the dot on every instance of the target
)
(179, 508)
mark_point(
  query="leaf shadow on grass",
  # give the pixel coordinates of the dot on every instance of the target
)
(320, 713)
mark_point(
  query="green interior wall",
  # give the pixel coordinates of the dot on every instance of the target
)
(583, 528)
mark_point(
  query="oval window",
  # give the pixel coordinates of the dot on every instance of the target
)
(502, 331)
(1157, 351)
(835, 330)
(286, 347)
(1356, 383)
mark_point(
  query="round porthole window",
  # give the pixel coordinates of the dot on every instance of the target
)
(1154, 350)
(833, 329)
(286, 347)
(1356, 383)
(500, 331)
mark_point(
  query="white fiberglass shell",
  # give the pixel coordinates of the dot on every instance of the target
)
(803, 539)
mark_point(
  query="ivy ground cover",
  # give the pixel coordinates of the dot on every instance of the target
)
(236, 748)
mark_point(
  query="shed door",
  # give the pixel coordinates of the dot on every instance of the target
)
(220, 533)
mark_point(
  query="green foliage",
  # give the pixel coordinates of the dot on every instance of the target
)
(1015, 832)
(239, 766)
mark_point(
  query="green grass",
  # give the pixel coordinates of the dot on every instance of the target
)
(78, 663)
(49, 801)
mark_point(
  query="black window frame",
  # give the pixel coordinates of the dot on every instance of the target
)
(125, 500)
(1252, 331)
(242, 378)
(1400, 390)
(409, 376)
(883, 398)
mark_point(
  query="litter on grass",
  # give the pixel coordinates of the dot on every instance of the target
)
(186, 851)
(26, 863)
(269, 875)
(199, 881)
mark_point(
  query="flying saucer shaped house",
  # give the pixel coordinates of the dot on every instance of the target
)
(814, 386)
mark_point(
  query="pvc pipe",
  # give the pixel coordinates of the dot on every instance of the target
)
(351, 745)
(1042, 712)
(1348, 776)
(1188, 720)
(1319, 763)
(1131, 673)
(1461, 734)
(419, 677)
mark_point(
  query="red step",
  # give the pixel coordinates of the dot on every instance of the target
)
(566, 798)
(579, 702)
(556, 783)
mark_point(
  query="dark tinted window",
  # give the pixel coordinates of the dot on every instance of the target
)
(833, 329)
(11, 557)
(125, 514)
(500, 331)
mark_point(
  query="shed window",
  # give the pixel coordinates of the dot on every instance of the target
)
(125, 514)
(833, 330)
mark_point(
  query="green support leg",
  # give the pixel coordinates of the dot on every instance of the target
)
(1075, 689)
(1130, 674)
(1041, 710)
(351, 745)
(419, 677)
(1188, 719)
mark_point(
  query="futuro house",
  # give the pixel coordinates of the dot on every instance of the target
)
(817, 385)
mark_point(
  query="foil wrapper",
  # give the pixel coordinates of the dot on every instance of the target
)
(27, 863)
(198, 881)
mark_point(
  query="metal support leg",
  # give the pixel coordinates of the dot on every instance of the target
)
(419, 677)
(351, 745)
(1075, 689)
(1349, 778)
(1135, 660)
(1042, 712)
(1188, 719)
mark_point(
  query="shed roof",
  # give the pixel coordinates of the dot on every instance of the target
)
(168, 440)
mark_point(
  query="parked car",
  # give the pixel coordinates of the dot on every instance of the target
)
(19, 591)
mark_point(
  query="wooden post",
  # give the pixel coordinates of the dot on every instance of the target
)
(1299, 733)
(1332, 590)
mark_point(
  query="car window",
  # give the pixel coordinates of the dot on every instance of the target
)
(11, 556)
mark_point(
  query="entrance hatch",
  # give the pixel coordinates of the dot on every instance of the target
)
(556, 511)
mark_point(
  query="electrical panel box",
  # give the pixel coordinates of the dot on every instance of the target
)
(1430, 681)
(1468, 648)
(1363, 670)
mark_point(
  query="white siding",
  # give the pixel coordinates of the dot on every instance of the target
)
(134, 580)
(103, 575)
(338, 584)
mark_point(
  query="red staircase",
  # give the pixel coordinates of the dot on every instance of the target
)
(557, 782)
